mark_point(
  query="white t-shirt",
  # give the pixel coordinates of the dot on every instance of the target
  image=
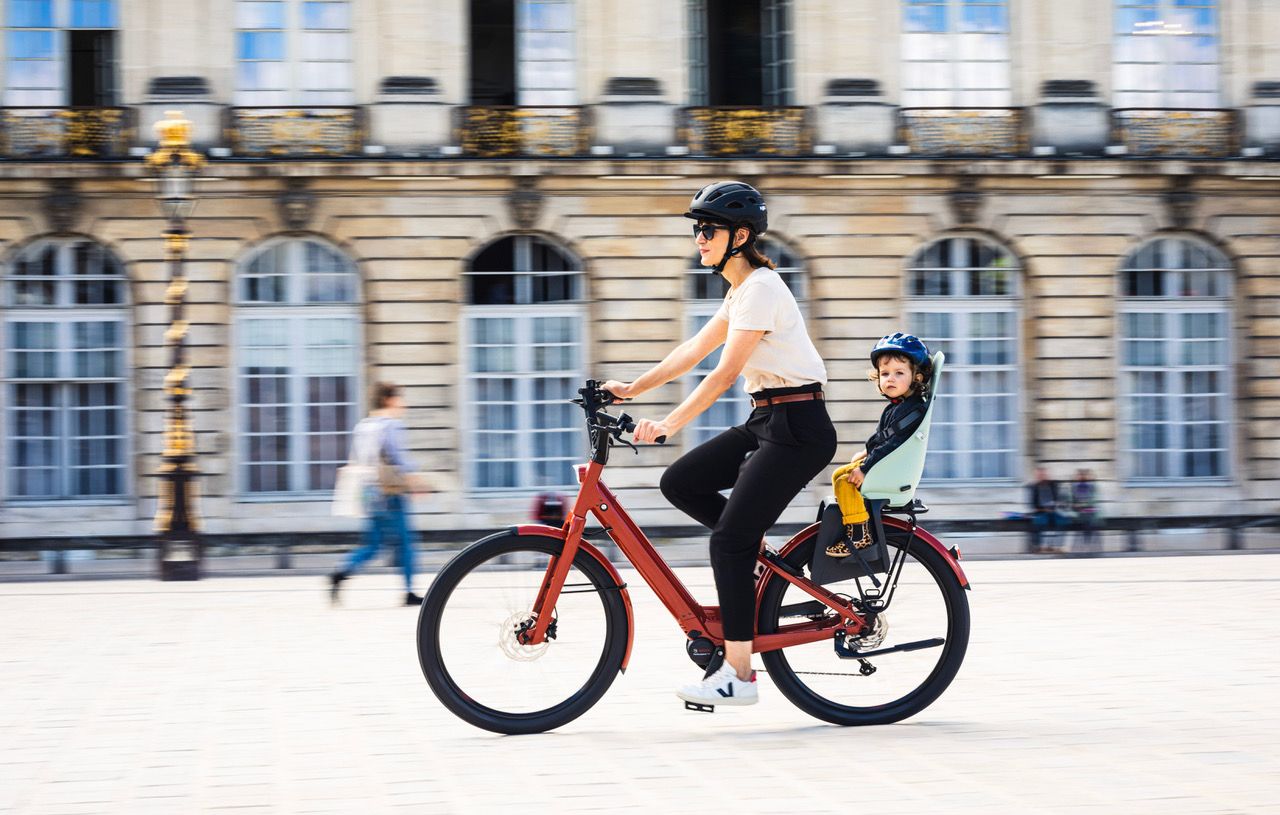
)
(785, 356)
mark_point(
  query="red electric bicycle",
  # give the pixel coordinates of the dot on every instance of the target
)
(523, 631)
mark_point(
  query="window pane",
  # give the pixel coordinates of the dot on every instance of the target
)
(325, 75)
(260, 45)
(260, 15)
(325, 45)
(31, 45)
(326, 15)
(30, 13)
(93, 14)
(924, 17)
(983, 17)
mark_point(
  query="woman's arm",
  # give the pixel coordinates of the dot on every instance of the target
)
(736, 353)
(677, 363)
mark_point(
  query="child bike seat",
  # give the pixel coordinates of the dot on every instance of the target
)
(895, 477)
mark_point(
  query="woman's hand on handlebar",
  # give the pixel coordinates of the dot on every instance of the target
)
(622, 390)
(648, 432)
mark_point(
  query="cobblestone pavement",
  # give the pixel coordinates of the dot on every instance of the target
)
(1108, 685)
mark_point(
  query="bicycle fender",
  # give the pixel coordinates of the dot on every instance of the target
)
(591, 551)
(921, 535)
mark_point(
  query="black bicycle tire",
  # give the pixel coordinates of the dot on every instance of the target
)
(456, 700)
(957, 643)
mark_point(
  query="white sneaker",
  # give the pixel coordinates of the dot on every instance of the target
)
(721, 688)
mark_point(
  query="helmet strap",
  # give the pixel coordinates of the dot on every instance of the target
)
(732, 250)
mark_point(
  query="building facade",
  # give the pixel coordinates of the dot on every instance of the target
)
(480, 200)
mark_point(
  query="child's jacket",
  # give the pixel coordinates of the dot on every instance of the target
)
(900, 419)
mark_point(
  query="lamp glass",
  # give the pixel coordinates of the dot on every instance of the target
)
(175, 195)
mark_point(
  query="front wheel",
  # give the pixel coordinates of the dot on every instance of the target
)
(468, 629)
(929, 605)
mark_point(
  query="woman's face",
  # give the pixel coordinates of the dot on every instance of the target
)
(711, 249)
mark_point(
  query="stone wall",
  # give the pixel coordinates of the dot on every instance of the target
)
(410, 239)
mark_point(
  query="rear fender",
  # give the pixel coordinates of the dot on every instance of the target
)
(583, 546)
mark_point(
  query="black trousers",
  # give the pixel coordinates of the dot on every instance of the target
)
(766, 461)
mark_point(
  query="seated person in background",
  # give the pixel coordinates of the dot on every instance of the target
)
(1043, 499)
(900, 368)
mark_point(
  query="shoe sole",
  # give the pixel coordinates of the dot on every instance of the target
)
(729, 701)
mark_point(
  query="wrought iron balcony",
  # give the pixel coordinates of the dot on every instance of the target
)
(964, 131)
(505, 132)
(1163, 132)
(725, 131)
(30, 133)
(295, 132)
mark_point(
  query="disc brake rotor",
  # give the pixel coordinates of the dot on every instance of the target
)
(509, 638)
(871, 640)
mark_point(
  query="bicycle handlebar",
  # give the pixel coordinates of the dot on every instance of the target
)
(593, 400)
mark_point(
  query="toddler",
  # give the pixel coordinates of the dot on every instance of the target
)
(900, 367)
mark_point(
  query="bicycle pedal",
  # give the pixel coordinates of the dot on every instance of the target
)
(699, 707)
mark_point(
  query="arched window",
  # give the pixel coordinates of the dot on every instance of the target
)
(297, 365)
(962, 296)
(703, 294)
(1174, 359)
(65, 372)
(524, 328)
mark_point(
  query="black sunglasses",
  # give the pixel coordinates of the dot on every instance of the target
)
(707, 231)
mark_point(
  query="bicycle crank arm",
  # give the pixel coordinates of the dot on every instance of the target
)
(845, 652)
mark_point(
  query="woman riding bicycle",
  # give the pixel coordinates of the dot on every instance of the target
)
(786, 441)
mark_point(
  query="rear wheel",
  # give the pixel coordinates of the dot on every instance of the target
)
(928, 605)
(468, 636)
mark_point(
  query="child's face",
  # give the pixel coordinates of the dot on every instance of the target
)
(895, 377)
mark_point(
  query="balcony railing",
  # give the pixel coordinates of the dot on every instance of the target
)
(295, 132)
(725, 131)
(964, 131)
(1191, 133)
(535, 131)
(75, 133)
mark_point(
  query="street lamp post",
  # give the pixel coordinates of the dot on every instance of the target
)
(176, 521)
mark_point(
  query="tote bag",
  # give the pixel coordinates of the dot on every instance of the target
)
(359, 473)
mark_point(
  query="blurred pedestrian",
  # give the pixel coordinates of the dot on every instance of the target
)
(1046, 514)
(1084, 505)
(377, 443)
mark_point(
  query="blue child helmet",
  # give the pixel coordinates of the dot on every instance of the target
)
(908, 345)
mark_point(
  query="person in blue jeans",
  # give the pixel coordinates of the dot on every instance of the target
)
(378, 440)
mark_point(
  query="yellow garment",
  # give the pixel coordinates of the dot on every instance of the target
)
(852, 509)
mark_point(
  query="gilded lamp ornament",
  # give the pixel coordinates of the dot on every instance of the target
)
(176, 521)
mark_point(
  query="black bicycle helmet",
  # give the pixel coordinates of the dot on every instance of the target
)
(730, 202)
(733, 204)
(908, 345)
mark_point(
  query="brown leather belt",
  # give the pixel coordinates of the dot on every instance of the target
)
(795, 397)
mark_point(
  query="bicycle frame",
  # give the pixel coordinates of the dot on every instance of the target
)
(597, 500)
